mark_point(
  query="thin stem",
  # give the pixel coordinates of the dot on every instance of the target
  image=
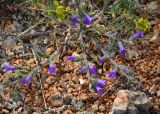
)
(27, 30)
(42, 89)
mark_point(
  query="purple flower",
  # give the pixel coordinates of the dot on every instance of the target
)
(82, 70)
(74, 20)
(88, 20)
(101, 83)
(92, 69)
(9, 68)
(51, 69)
(138, 34)
(72, 57)
(99, 89)
(122, 49)
(26, 80)
(112, 74)
(102, 60)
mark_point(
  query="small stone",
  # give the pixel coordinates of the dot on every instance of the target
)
(28, 99)
(70, 90)
(46, 86)
(49, 80)
(84, 97)
(91, 88)
(19, 109)
(49, 50)
(100, 71)
(77, 105)
(95, 107)
(152, 90)
(68, 112)
(121, 102)
(9, 106)
(156, 107)
(158, 93)
(147, 87)
(5, 111)
(64, 85)
(14, 112)
(31, 61)
(35, 113)
(67, 99)
(25, 112)
(20, 103)
(9, 43)
(145, 44)
(19, 27)
(56, 99)
(83, 82)
(60, 89)
(101, 108)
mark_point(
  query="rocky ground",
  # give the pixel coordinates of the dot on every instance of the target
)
(68, 92)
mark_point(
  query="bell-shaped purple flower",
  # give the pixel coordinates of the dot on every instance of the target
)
(102, 60)
(101, 83)
(51, 69)
(72, 57)
(92, 69)
(74, 20)
(122, 49)
(26, 80)
(112, 74)
(82, 70)
(99, 89)
(138, 34)
(88, 20)
(9, 68)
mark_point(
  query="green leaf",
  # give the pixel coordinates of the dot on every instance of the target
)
(68, 9)
(55, 3)
(17, 73)
(60, 9)
(15, 95)
(142, 24)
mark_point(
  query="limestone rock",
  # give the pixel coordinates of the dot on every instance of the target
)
(128, 102)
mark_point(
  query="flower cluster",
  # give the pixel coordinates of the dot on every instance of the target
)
(72, 58)
(74, 20)
(113, 74)
(86, 20)
(9, 68)
(26, 80)
(122, 49)
(82, 70)
(52, 69)
(100, 84)
(138, 34)
(92, 69)
(101, 60)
